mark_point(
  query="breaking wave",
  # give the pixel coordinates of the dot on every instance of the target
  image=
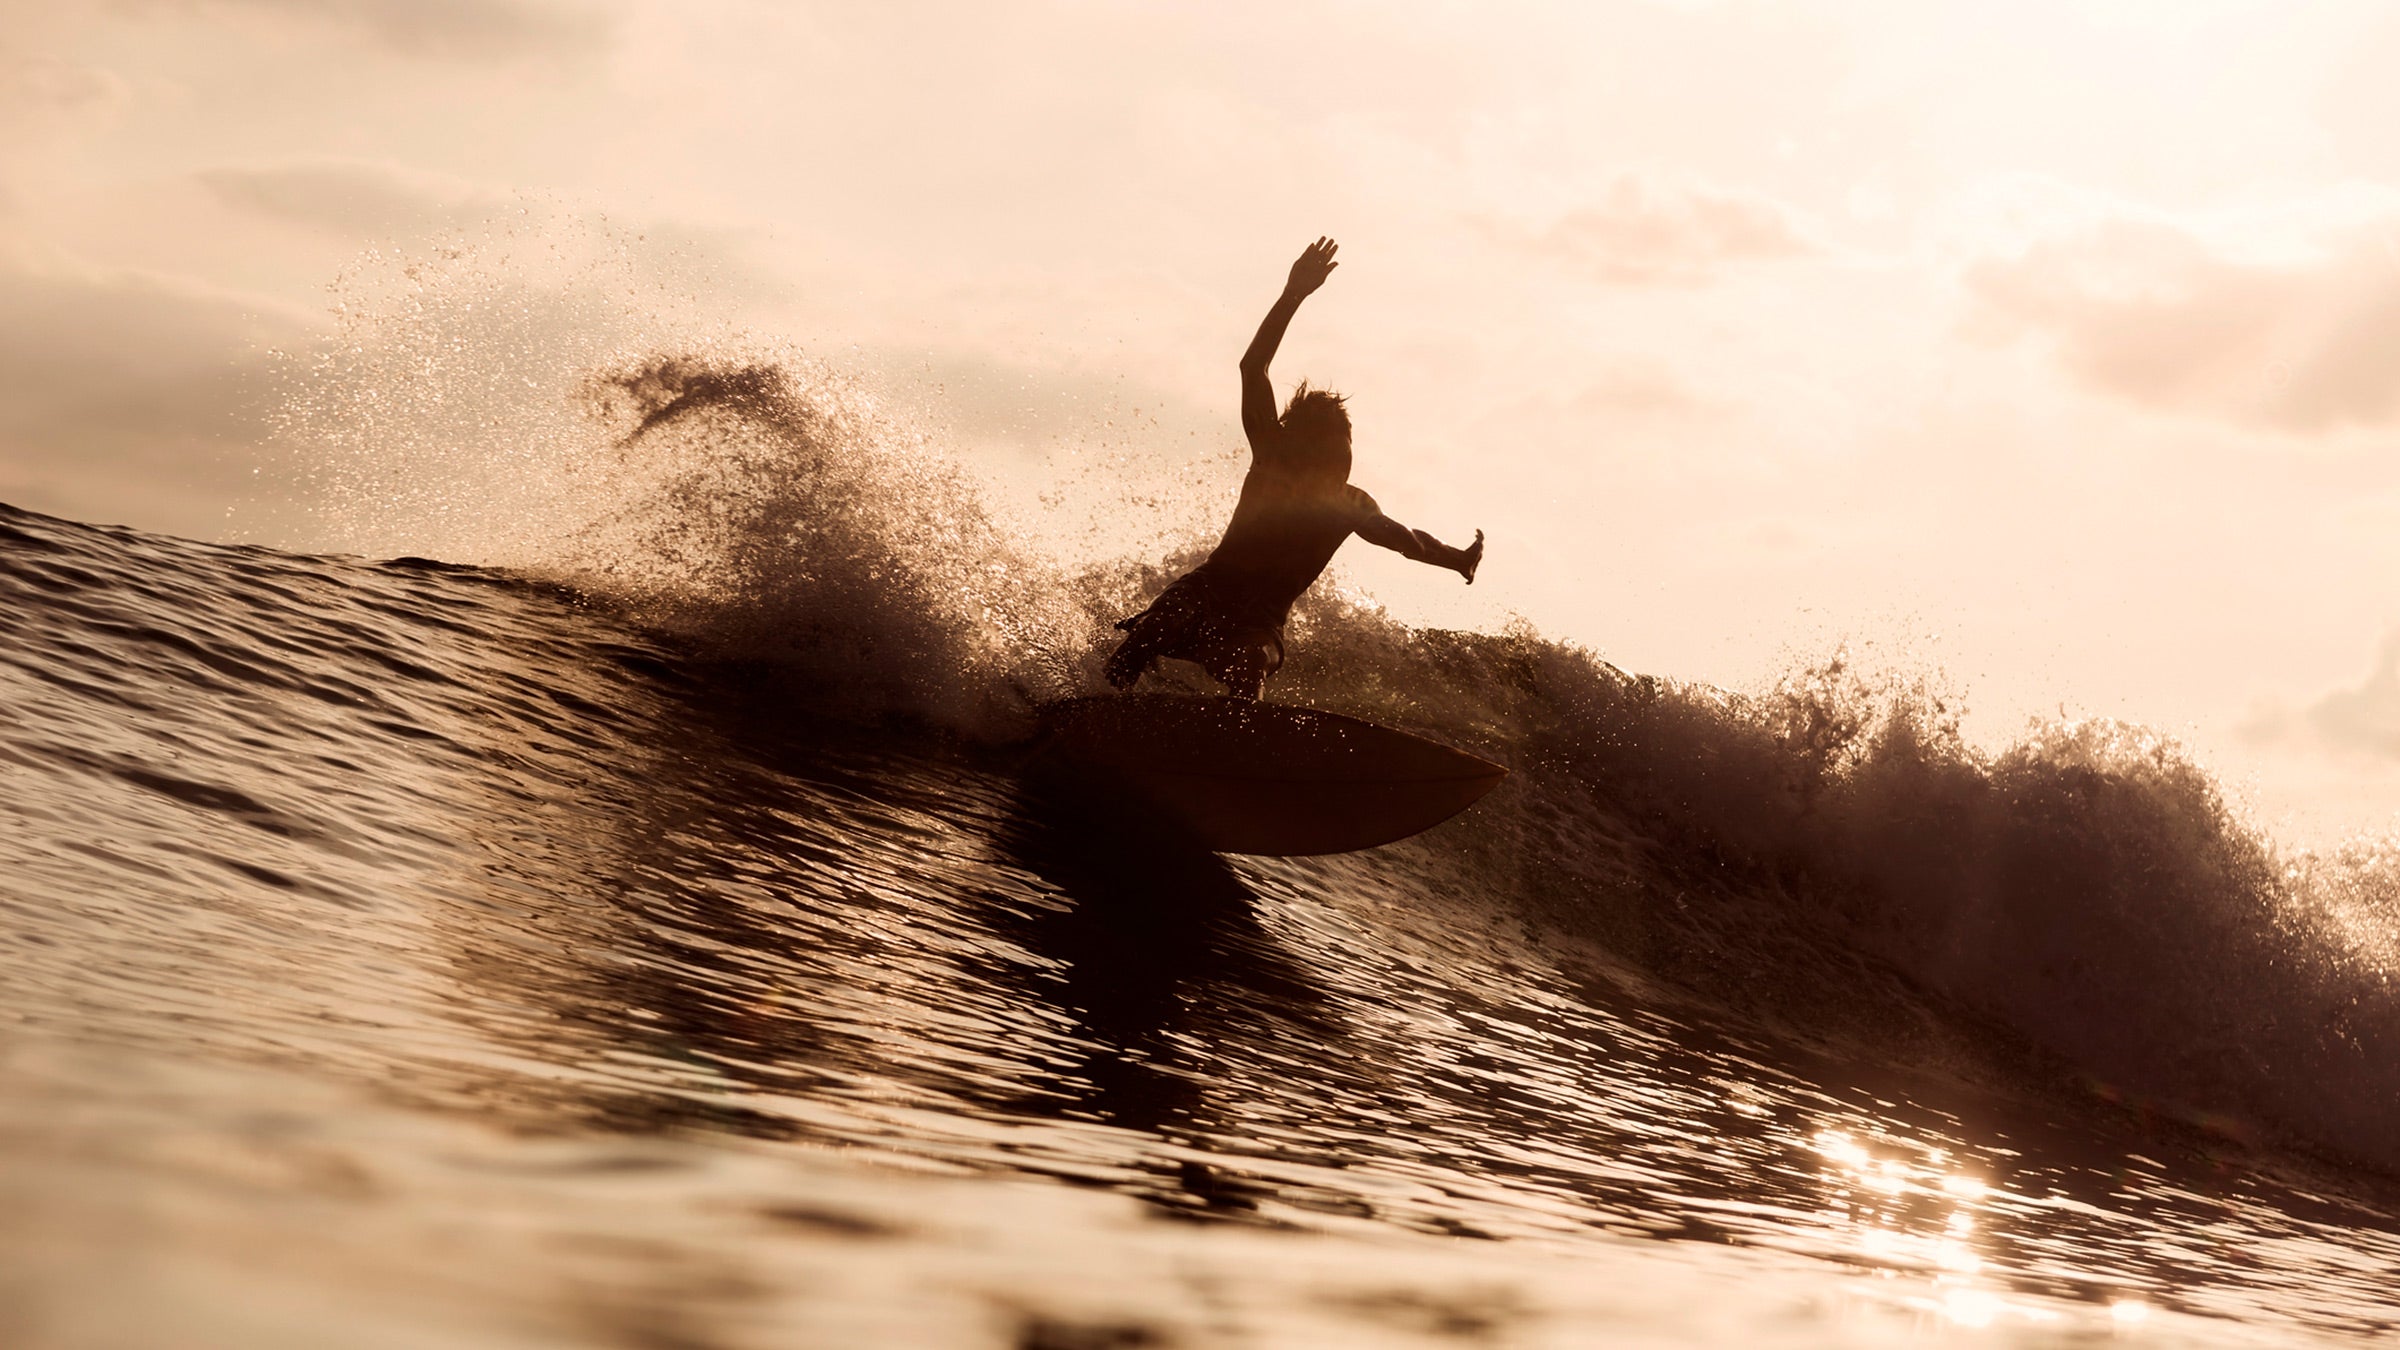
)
(1831, 854)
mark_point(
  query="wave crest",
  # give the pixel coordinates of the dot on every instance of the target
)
(2089, 886)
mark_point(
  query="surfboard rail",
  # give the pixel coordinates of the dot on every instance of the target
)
(1269, 779)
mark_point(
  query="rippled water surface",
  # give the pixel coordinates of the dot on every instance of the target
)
(406, 955)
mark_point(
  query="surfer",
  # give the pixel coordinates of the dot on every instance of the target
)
(1297, 507)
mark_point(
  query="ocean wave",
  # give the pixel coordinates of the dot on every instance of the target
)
(1780, 855)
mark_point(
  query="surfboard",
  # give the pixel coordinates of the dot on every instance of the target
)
(1266, 778)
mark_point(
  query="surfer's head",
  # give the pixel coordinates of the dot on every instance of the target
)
(1317, 429)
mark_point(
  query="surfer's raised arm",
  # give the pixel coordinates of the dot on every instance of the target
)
(1296, 509)
(1418, 546)
(1258, 397)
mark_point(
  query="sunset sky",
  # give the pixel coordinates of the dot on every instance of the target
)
(2050, 345)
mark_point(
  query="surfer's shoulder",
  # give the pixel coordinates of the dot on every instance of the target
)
(1360, 503)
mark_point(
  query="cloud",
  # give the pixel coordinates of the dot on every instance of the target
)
(2368, 717)
(454, 29)
(48, 84)
(130, 396)
(1638, 387)
(1645, 231)
(2303, 339)
(2365, 719)
(727, 263)
(987, 397)
(351, 196)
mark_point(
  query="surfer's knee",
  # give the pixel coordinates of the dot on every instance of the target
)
(1125, 665)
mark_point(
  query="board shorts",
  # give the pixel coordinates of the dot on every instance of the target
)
(1200, 619)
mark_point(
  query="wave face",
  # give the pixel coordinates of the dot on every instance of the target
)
(696, 820)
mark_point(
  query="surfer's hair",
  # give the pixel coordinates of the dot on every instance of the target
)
(1316, 425)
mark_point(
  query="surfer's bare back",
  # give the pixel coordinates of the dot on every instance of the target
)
(1297, 506)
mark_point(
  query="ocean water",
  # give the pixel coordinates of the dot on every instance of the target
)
(639, 933)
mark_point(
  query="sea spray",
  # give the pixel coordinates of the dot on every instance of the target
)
(774, 517)
(2087, 886)
(540, 398)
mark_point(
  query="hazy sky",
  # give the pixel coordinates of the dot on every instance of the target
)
(2052, 343)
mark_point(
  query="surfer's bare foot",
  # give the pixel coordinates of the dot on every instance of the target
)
(1470, 558)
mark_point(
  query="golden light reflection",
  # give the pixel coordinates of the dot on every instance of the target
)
(1971, 1307)
(1893, 1198)
(1977, 1306)
(1919, 1215)
(1843, 1150)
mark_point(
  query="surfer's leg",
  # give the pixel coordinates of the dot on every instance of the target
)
(1173, 624)
(1129, 662)
(1241, 659)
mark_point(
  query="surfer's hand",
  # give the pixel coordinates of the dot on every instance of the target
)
(1316, 263)
(1470, 558)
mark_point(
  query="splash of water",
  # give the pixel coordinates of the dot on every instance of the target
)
(550, 408)
(776, 513)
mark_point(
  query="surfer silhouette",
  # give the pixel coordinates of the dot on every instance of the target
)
(1296, 508)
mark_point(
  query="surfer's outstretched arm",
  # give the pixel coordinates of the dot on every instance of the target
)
(1258, 397)
(1419, 546)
